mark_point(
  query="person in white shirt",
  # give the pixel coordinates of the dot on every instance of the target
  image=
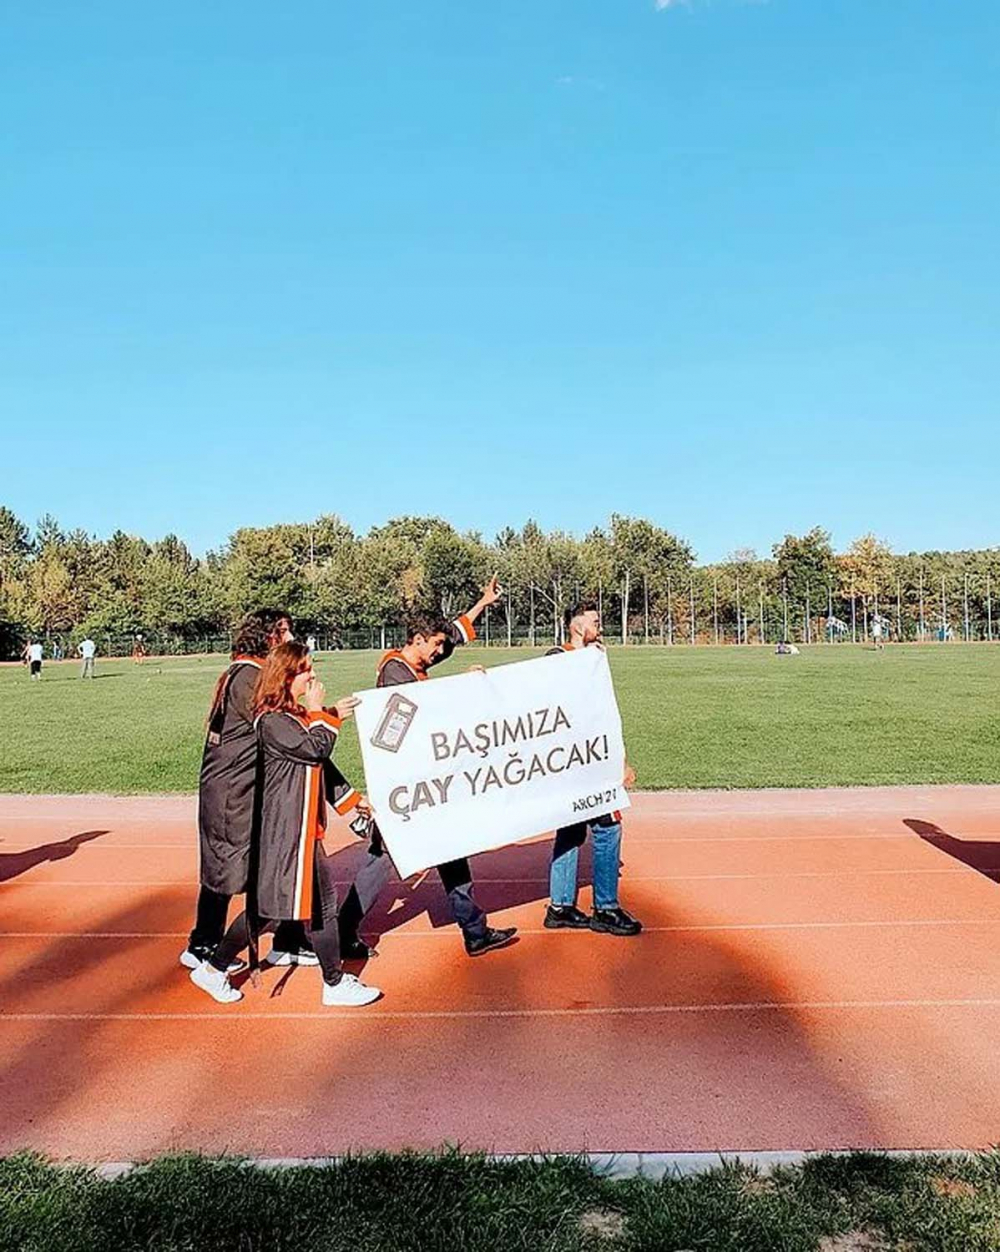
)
(34, 653)
(87, 649)
(311, 644)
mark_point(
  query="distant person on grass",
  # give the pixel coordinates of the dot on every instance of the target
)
(226, 797)
(87, 650)
(295, 879)
(583, 630)
(33, 654)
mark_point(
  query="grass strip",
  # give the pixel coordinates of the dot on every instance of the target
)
(465, 1203)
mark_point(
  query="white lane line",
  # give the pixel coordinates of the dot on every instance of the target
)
(908, 835)
(480, 881)
(447, 932)
(187, 846)
(750, 1006)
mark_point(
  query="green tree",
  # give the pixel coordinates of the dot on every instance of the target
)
(806, 569)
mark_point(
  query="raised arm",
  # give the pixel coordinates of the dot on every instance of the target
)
(491, 594)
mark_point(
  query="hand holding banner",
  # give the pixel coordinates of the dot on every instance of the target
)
(475, 761)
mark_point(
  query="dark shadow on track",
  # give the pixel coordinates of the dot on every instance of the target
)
(982, 856)
(12, 864)
(503, 879)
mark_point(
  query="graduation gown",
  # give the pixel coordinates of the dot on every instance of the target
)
(226, 786)
(294, 749)
(228, 777)
(394, 670)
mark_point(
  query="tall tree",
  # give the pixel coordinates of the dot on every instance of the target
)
(806, 568)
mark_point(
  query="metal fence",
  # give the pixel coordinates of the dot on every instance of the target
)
(701, 610)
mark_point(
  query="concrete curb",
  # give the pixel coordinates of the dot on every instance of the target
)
(612, 1165)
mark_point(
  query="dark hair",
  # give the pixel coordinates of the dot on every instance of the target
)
(578, 610)
(426, 624)
(252, 637)
(274, 686)
(273, 616)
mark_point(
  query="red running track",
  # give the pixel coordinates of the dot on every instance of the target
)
(819, 969)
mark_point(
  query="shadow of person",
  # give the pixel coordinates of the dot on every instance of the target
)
(502, 879)
(12, 864)
(979, 855)
(58, 1061)
(572, 1043)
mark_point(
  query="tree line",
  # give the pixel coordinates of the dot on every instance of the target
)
(356, 590)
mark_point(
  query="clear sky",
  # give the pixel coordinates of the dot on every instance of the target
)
(732, 266)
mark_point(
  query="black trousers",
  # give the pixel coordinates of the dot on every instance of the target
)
(322, 930)
(456, 878)
(210, 925)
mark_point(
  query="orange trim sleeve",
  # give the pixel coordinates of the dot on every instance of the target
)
(467, 627)
(348, 802)
(322, 718)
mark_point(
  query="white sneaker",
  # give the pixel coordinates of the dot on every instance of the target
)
(291, 958)
(216, 983)
(350, 991)
(191, 960)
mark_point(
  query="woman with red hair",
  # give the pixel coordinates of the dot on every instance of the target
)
(294, 879)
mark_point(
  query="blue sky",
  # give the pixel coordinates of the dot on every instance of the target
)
(732, 266)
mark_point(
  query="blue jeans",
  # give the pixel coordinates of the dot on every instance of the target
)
(606, 836)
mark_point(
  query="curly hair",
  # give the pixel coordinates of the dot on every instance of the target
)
(252, 637)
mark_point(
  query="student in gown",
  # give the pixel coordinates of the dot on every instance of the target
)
(294, 879)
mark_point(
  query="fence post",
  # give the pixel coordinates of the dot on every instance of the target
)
(715, 606)
(966, 607)
(854, 613)
(626, 595)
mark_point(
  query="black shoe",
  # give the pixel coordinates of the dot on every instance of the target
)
(356, 950)
(565, 917)
(614, 922)
(492, 939)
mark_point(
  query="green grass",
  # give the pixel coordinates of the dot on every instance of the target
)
(702, 717)
(468, 1204)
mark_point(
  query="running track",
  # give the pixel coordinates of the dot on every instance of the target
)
(820, 970)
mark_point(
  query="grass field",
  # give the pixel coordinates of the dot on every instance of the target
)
(704, 717)
(860, 1203)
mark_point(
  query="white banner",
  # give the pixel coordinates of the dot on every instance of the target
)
(456, 765)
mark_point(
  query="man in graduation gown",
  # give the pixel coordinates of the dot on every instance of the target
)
(429, 641)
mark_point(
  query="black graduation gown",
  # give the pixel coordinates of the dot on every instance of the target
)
(226, 787)
(294, 749)
(394, 670)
